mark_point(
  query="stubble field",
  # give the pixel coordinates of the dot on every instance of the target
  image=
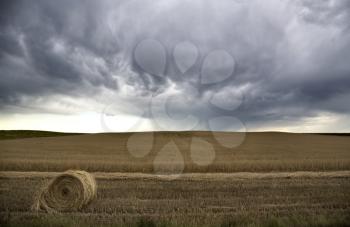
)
(272, 179)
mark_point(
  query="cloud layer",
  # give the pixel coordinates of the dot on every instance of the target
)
(290, 60)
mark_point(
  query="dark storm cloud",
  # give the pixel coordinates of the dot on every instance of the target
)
(327, 12)
(291, 56)
(50, 47)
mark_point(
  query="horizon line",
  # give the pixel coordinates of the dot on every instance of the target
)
(170, 131)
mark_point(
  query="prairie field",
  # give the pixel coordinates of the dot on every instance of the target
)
(259, 152)
(271, 179)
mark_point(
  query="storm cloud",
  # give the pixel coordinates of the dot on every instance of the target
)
(274, 64)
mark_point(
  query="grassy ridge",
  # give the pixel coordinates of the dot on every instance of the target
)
(19, 134)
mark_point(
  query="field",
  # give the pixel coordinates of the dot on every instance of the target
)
(272, 179)
(260, 152)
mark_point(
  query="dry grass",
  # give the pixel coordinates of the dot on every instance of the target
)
(185, 176)
(260, 152)
(193, 200)
(272, 179)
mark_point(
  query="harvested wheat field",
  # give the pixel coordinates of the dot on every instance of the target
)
(259, 152)
(271, 179)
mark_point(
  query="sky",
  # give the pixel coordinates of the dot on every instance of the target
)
(143, 65)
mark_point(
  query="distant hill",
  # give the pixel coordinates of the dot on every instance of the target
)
(18, 134)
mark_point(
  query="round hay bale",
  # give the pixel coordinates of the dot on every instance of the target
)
(69, 191)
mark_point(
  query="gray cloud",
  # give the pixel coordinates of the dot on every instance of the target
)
(291, 56)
